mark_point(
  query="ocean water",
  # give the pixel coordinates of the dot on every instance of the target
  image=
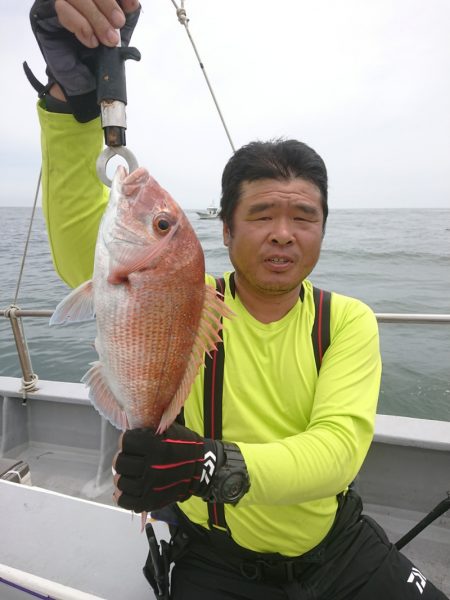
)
(394, 260)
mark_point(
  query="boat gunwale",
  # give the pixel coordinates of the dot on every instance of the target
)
(389, 429)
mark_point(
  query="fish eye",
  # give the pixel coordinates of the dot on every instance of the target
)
(162, 224)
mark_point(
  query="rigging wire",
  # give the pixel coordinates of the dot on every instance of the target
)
(182, 18)
(29, 379)
(28, 238)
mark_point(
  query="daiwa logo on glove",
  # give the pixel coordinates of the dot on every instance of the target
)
(209, 466)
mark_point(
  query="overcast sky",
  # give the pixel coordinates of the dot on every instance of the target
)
(366, 83)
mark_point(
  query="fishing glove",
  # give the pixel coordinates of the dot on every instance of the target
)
(69, 62)
(157, 470)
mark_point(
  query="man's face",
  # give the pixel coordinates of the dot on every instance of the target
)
(277, 234)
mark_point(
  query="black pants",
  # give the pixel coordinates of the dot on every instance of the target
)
(355, 562)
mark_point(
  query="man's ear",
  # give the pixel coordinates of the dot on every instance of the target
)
(226, 235)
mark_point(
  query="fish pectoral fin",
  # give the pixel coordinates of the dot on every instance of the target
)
(214, 309)
(78, 306)
(128, 259)
(102, 397)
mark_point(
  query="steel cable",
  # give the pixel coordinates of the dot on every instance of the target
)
(182, 18)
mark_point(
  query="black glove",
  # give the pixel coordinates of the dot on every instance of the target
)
(69, 62)
(157, 470)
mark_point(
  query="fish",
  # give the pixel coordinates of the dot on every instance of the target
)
(155, 315)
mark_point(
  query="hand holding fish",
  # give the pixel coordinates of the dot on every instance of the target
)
(94, 21)
(153, 471)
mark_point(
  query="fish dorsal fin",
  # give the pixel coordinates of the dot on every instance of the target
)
(76, 307)
(214, 309)
(102, 397)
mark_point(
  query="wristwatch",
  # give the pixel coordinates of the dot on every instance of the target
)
(231, 480)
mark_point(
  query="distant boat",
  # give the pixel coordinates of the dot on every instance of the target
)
(211, 212)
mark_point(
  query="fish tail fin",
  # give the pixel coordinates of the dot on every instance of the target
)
(102, 397)
(214, 309)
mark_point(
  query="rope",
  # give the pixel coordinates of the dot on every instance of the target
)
(29, 379)
(29, 386)
(182, 18)
(10, 312)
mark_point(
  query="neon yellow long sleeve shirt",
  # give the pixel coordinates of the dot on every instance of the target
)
(73, 198)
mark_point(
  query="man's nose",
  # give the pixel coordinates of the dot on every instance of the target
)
(281, 233)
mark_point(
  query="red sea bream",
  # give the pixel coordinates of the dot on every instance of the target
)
(155, 315)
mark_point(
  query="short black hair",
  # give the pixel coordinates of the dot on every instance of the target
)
(275, 159)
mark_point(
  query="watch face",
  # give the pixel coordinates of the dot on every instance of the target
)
(233, 486)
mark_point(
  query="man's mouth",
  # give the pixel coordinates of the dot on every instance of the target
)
(278, 260)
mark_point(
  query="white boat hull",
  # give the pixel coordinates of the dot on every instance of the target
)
(210, 213)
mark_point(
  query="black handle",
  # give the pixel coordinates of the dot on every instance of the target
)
(439, 510)
(111, 83)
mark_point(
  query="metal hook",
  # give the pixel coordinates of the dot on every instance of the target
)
(107, 154)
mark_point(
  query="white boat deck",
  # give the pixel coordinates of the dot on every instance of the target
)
(100, 550)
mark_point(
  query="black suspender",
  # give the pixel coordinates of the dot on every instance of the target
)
(320, 334)
(212, 408)
(214, 367)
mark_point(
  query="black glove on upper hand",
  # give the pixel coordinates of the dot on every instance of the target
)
(69, 62)
(156, 470)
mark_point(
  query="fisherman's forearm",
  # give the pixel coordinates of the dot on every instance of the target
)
(311, 466)
(73, 198)
(56, 92)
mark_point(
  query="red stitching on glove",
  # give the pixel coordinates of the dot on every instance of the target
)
(182, 442)
(170, 485)
(180, 464)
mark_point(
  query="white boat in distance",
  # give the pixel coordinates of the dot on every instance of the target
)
(211, 212)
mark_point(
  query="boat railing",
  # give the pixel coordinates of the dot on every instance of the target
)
(30, 379)
(417, 318)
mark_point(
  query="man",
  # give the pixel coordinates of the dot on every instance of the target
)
(255, 483)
